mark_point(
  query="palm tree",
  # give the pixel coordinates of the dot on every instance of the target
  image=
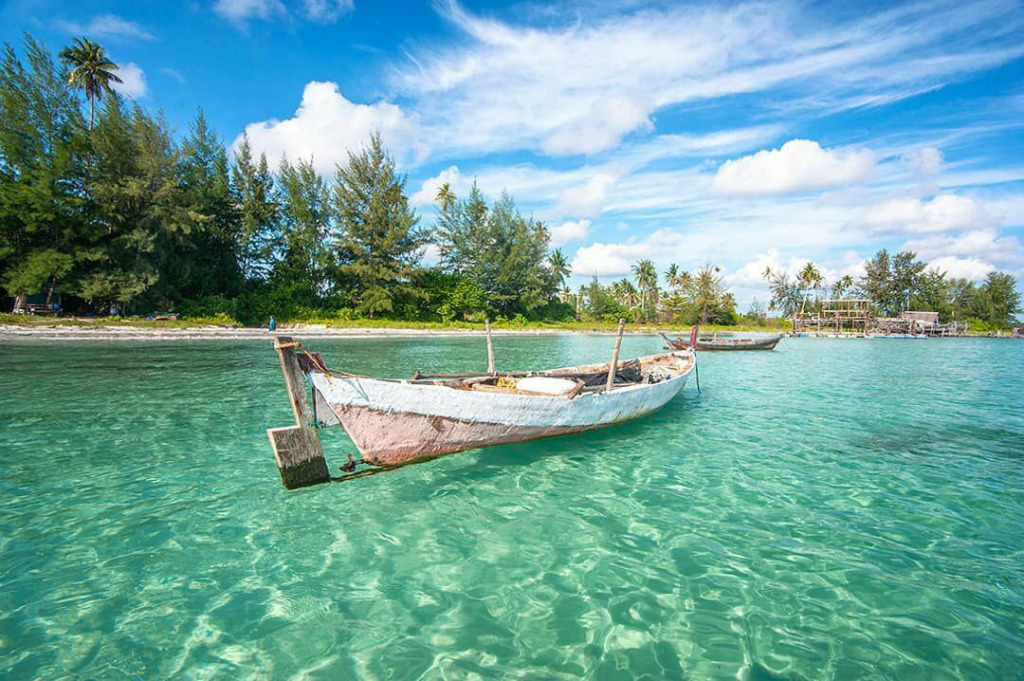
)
(647, 279)
(810, 278)
(560, 269)
(445, 196)
(91, 70)
(844, 284)
(672, 275)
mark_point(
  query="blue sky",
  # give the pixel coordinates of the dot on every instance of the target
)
(745, 135)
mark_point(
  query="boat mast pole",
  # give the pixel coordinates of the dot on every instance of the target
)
(490, 347)
(615, 355)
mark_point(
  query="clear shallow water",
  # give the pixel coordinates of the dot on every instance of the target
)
(834, 509)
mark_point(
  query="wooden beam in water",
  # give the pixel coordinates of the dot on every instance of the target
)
(615, 356)
(490, 348)
(297, 448)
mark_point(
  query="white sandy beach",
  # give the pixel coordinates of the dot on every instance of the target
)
(115, 333)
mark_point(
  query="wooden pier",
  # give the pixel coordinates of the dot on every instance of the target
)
(854, 316)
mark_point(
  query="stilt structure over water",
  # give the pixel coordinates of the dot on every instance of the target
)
(854, 315)
(835, 316)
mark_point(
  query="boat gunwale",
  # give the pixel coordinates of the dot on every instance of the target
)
(619, 388)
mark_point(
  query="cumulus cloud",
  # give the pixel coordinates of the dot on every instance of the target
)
(924, 162)
(427, 193)
(962, 268)
(981, 245)
(944, 213)
(570, 231)
(799, 165)
(588, 199)
(107, 27)
(607, 260)
(133, 81)
(326, 126)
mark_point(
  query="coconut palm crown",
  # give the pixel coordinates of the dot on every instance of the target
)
(91, 70)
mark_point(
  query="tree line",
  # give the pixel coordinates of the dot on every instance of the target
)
(105, 207)
(698, 298)
(898, 283)
(109, 210)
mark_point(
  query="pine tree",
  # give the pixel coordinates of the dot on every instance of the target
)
(304, 201)
(257, 230)
(209, 267)
(43, 224)
(378, 240)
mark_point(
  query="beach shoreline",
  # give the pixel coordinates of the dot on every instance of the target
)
(305, 331)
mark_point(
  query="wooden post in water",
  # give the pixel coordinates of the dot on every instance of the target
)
(615, 356)
(490, 347)
(297, 448)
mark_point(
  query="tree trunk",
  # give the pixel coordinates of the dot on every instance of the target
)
(49, 294)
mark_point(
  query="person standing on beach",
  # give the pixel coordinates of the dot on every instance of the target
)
(273, 324)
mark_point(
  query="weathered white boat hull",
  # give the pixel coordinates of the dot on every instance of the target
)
(394, 422)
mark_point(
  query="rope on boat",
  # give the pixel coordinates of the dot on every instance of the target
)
(313, 360)
(696, 372)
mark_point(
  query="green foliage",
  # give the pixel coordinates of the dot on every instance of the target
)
(304, 207)
(256, 212)
(44, 229)
(499, 250)
(902, 283)
(110, 209)
(91, 71)
(702, 298)
(378, 244)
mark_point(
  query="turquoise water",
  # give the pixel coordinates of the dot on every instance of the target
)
(833, 509)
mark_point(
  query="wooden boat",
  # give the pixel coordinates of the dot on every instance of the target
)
(714, 343)
(396, 421)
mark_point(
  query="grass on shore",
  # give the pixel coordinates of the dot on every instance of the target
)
(222, 321)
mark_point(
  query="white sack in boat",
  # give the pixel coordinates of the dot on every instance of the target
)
(545, 385)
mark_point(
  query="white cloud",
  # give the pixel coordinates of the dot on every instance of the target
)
(580, 83)
(133, 81)
(107, 27)
(326, 126)
(981, 245)
(174, 73)
(319, 11)
(607, 260)
(965, 268)
(586, 200)
(799, 165)
(240, 11)
(431, 254)
(427, 193)
(608, 121)
(326, 11)
(751, 274)
(924, 162)
(944, 213)
(570, 231)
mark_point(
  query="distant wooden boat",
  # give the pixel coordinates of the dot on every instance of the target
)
(396, 421)
(714, 344)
